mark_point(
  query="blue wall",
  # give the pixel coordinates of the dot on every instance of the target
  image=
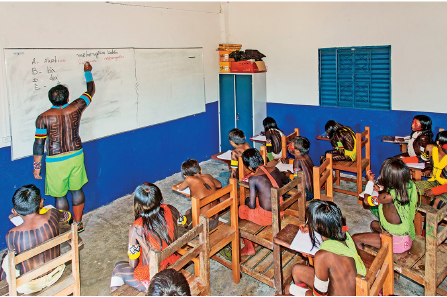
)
(311, 120)
(116, 165)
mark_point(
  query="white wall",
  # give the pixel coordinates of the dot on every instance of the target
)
(290, 34)
(110, 25)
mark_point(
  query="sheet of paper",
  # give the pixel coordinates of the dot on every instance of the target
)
(17, 220)
(186, 191)
(302, 243)
(225, 156)
(416, 165)
(258, 138)
(284, 167)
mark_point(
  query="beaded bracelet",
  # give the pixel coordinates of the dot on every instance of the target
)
(37, 165)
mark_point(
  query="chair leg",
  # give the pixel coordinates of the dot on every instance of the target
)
(277, 263)
(359, 188)
(235, 259)
(418, 223)
(337, 177)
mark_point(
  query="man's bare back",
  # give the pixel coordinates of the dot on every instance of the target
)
(235, 154)
(35, 230)
(260, 187)
(201, 186)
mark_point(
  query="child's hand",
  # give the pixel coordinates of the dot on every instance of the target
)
(304, 229)
(376, 188)
(429, 193)
(285, 161)
(370, 176)
(263, 133)
(306, 255)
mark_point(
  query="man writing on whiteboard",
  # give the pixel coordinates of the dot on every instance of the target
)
(65, 170)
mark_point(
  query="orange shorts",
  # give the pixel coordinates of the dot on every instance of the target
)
(258, 215)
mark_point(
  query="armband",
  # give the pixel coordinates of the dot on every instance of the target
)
(339, 145)
(87, 98)
(37, 165)
(181, 221)
(234, 163)
(373, 201)
(424, 156)
(88, 76)
(134, 251)
(320, 287)
(268, 144)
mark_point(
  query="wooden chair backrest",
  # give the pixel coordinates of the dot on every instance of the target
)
(231, 202)
(296, 195)
(243, 171)
(285, 139)
(72, 287)
(263, 152)
(380, 274)
(323, 175)
(363, 140)
(202, 250)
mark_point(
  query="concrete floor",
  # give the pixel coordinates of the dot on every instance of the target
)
(106, 235)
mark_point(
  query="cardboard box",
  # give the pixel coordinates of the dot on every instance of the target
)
(261, 66)
(224, 56)
(244, 67)
(225, 67)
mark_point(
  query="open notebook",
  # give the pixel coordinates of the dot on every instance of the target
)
(225, 156)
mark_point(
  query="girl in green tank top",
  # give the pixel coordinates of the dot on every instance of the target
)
(337, 262)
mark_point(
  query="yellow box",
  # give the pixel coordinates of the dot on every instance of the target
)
(225, 67)
(224, 56)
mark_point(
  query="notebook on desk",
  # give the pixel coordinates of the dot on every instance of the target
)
(258, 138)
(225, 156)
(303, 244)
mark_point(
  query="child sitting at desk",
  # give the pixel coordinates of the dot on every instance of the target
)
(420, 137)
(273, 137)
(336, 263)
(436, 187)
(342, 140)
(397, 205)
(237, 141)
(155, 227)
(201, 186)
(299, 147)
(258, 206)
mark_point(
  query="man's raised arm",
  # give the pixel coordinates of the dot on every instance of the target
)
(89, 79)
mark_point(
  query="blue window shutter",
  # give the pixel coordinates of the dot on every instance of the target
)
(357, 77)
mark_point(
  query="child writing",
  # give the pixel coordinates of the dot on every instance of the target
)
(420, 137)
(299, 147)
(237, 141)
(436, 187)
(273, 137)
(336, 263)
(397, 205)
(155, 227)
(201, 186)
(342, 140)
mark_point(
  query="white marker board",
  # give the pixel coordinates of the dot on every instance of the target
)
(120, 103)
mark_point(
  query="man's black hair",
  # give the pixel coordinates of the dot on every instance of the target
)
(252, 158)
(58, 95)
(190, 167)
(237, 136)
(26, 200)
(325, 218)
(302, 144)
(169, 282)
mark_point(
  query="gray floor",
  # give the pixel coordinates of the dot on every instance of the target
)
(106, 236)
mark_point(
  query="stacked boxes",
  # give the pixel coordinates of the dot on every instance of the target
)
(224, 52)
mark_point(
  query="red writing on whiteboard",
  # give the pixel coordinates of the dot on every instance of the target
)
(114, 58)
(81, 61)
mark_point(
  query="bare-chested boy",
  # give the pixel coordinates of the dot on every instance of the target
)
(201, 186)
(35, 229)
(258, 206)
(237, 140)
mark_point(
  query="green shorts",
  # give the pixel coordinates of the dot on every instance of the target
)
(65, 172)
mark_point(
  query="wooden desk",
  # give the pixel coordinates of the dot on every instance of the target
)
(256, 140)
(392, 139)
(286, 235)
(323, 137)
(225, 161)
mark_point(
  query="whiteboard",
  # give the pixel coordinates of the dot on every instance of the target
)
(135, 88)
(174, 79)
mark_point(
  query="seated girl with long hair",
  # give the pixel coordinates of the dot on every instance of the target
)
(273, 136)
(336, 263)
(397, 205)
(342, 140)
(155, 227)
(421, 136)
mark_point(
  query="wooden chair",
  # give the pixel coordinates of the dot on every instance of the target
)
(224, 233)
(198, 285)
(426, 261)
(323, 176)
(380, 274)
(270, 264)
(67, 284)
(286, 139)
(362, 163)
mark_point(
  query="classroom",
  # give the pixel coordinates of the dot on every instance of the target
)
(292, 35)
